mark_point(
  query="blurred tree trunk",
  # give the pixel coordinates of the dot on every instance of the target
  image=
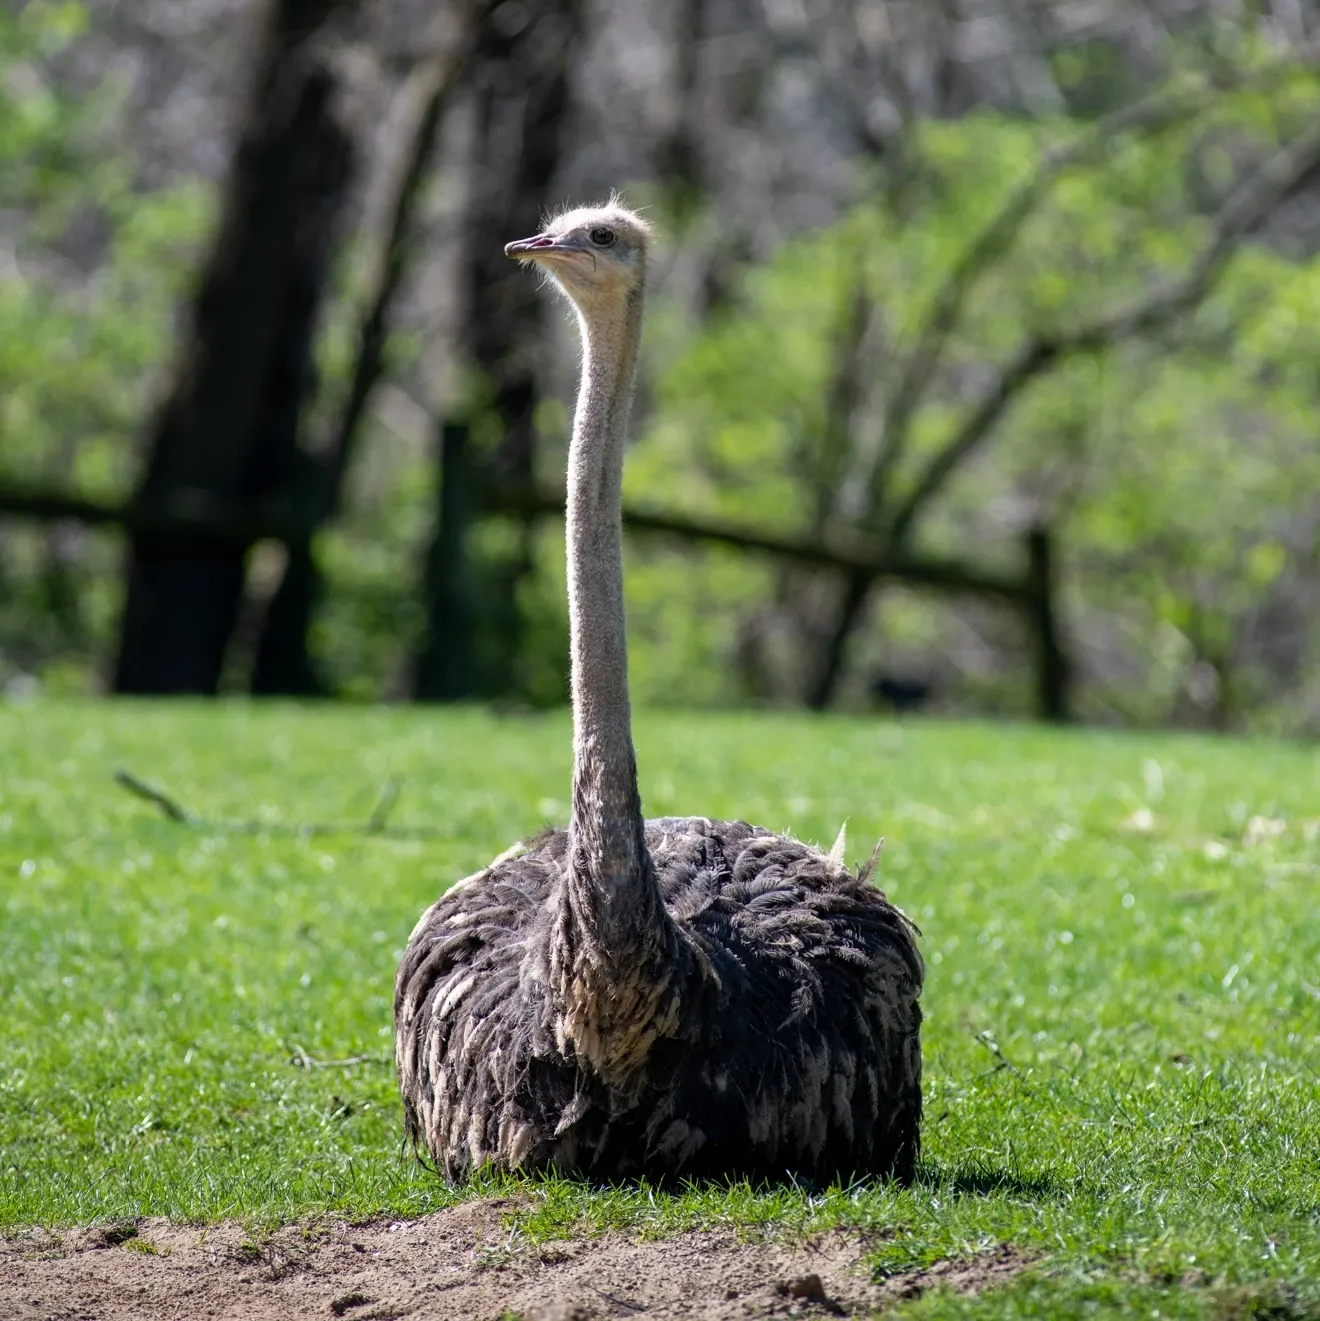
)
(1053, 669)
(448, 655)
(283, 662)
(678, 154)
(518, 77)
(227, 431)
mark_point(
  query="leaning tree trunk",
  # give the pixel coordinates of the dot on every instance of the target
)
(283, 664)
(226, 435)
(519, 80)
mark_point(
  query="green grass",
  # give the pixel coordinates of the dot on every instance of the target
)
(1123, 1020)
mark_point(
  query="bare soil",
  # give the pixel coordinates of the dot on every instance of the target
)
(461, 1264)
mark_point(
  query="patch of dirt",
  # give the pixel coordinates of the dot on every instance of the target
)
(462, 1264)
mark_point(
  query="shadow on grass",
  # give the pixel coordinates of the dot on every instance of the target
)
(977, 1179)
(1271, 1300)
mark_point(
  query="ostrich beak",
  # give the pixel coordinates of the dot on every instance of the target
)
(520, 249)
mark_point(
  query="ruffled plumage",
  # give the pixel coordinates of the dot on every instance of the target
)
(791, 1041)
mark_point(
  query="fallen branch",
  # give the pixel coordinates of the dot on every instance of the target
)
(154, 795)
(375, 824)
(990, 1042)
(300, 1059)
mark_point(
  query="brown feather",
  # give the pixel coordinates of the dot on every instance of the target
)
(785, 1037)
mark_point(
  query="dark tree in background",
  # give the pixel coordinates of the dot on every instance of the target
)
(518, 80)
(226, 436)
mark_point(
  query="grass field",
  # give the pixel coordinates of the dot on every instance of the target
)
(1123, 997)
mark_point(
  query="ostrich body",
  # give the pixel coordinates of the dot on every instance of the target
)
(676, 997)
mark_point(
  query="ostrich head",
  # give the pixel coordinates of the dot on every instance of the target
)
(596, 255)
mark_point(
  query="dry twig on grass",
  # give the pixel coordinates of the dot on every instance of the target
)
(374, 825)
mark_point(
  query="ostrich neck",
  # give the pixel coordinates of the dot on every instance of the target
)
(605, 828)
(616, 963)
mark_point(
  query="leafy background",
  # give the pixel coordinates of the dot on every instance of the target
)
(1179, 471)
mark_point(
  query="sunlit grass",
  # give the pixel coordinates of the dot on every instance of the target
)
(1123, 1001)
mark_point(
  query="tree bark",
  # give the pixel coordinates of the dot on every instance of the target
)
(518, 77)
(284, 664)
(857, 587)
(227, 431)
(446, 662)
(1052, 668)
(846, 552)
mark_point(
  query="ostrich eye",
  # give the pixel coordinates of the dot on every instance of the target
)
(603, 237)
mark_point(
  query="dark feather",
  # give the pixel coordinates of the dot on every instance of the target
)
(785, 1038)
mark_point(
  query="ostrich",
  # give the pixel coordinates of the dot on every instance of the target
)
(671, 998)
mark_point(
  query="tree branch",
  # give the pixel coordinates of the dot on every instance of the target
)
(173, 810)
(186, 517)
(1160, 111)
(437, 79)
(841, 401)
(839, 549)
(1249, 204)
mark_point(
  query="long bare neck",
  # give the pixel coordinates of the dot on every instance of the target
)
(605, 830)
(615, 961)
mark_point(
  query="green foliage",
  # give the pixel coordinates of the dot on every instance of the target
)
(76, 355)
(86, 302)
(1121, 1039)
(1179, 474)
